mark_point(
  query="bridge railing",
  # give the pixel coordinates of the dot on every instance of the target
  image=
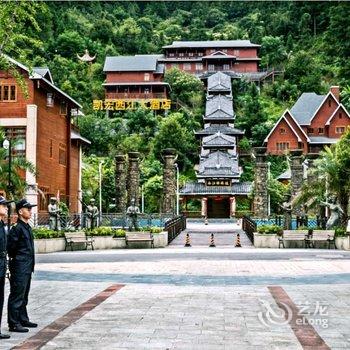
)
(174, 226)
(249, 226)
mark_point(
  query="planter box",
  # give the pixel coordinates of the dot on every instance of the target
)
(265, 240)
(100, 242)
(343, 243)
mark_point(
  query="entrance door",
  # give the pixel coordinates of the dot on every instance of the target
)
(218, 207)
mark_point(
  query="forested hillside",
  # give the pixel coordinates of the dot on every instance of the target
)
(309, 41)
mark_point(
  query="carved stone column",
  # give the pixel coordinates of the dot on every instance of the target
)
(120, 184)
(169, 181)
(297, 174)
(133, 178)
(232, 207)
(260, 203)
(296, 169)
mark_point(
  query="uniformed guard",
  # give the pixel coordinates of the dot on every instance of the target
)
(20, 248)
(3, 264)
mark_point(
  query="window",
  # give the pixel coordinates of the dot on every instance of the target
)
(181, 54)
(282, 146)
(321, 131)
(236, 52)
(49, 100)
(340, 115)
(8, 93)
(190, 54)
(310, 130)
(187, 66)
(329, 102)
(200, 54)
(171, 54)
(226, 67)
(63, 108)
(62, 155)
(146, 91)
(211, 67)
(283, 131)
(146, 77)
(44, 198)
(18, 137)
(51, 148)
(199, 66)
(340, 129)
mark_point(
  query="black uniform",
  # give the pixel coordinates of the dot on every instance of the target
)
(2, 265)
(20, 248)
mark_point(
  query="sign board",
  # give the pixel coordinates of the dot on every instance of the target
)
(127, 104)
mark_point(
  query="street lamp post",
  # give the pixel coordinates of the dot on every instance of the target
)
(177, 189)
(100, 186)
(8, 146)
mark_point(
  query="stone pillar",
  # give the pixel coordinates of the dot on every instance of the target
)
(232, 206)
(169, 181)
(296, 170)
(133, 179)
(204, 210)
(297, 173)
(260, 203)
(120, 184)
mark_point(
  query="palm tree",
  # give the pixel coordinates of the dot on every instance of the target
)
(18, 168)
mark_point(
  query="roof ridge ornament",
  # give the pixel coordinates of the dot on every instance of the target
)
(86, 57)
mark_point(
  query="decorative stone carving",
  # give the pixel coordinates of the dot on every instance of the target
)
(169, 181)
(260, 203)
(120, 184)
(133, 179)
(297, 176)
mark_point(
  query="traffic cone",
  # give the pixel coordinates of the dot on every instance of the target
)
(188, 242)
(238, 241)
(206, 221)
(212, 244)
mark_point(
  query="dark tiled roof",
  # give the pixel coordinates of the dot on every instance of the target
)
(219, 107)
(219, 82)
(218, 140)
(322, 140)
(132, 63)
(306, 106)
(218, 164)
(213, 43)
(225, 129)
(44, 72)
(194, 188)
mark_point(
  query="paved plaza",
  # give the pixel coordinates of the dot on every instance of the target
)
(189, 298)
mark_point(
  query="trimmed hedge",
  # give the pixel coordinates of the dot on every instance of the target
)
(270, 229)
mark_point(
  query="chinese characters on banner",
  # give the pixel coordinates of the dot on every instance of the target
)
(123, 105)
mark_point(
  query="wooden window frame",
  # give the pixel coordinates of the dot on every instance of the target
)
(51, 148)
(321, 131)
(187, 66)
(62, 148)
(2, 85)
(65, 111)
(310, 131)
(146, 77)
(283, 131)
(338, 127)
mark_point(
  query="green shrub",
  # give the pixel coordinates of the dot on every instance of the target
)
(43, 232)
(101, 231)
(119, 233)
(270, 229)
(340, 232)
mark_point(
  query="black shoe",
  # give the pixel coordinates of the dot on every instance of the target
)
(18, 329)
(4, 336)
(29, 324)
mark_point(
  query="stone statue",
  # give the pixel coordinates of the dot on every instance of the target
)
(348, 227)
(336, 211)
(287, 213)
(132, 213)
(54, 214)
(92, 213)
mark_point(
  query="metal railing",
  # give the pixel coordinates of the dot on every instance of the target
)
(175, 226)
(77, 221)
(249, 227)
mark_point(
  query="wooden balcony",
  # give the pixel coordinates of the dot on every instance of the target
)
(135, 95)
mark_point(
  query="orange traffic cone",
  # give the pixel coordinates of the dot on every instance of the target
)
(238, 241)
(212, 243)
(188, 242)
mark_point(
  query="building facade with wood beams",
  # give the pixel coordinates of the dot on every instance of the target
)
(41, 125)
(313, 122)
